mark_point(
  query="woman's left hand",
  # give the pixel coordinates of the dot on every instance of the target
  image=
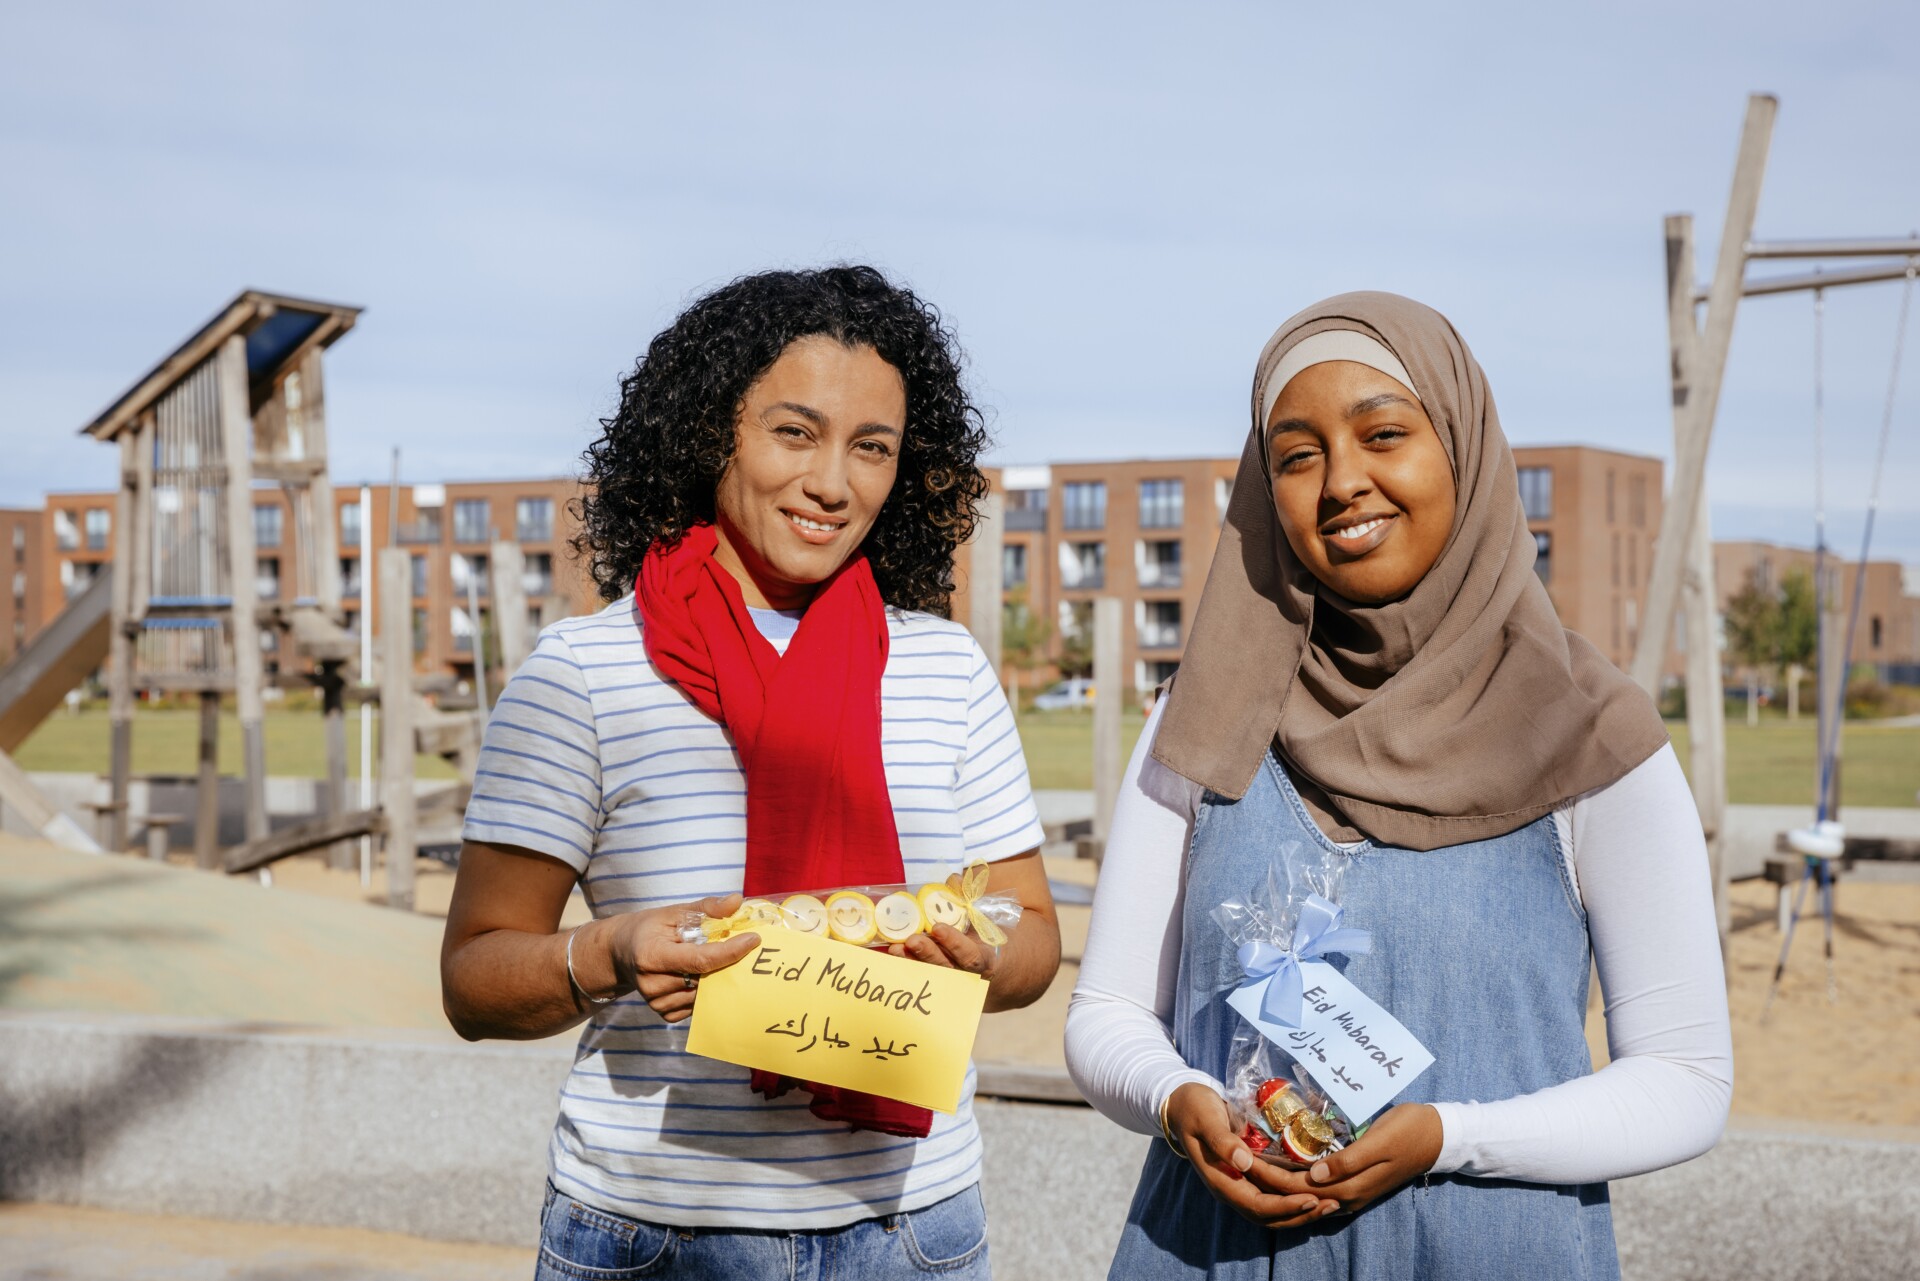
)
(949, 947)
(1398, 1148)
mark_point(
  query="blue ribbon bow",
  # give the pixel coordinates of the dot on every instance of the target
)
(1317, 933)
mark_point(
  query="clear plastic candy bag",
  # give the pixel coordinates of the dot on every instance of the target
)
(871, 915)
(1285, 1118)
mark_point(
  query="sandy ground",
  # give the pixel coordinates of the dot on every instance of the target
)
(65, 1243)
(120, 934)
(1853, 1060)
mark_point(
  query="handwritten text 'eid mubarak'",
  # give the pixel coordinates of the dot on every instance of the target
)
(861, 987)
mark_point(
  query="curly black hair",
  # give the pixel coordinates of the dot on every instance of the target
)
(653, 472)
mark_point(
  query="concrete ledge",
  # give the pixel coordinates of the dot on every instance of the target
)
(424, 1134)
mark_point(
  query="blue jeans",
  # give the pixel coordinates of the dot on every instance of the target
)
(581, 1243)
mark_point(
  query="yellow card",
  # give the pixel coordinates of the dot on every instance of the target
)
(822, 1010)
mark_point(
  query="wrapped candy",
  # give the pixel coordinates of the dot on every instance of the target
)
(872, 915)
(1285, 1118)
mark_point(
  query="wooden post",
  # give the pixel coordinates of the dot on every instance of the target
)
(396, 723)
(984, 597)
(509, 566)
(1699, 363)
(1707, 716)
(1706, 703)
(1109, 692)
(206, 819)
(323, 547)
(120, 652)
(236, 439)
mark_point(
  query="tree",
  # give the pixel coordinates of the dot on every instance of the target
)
(1799, 631)
(1023, 636)
(1076, 641)
(1753, 634)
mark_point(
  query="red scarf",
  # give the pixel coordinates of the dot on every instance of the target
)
(807, 728)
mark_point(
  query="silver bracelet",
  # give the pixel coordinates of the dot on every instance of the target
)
(596, 1000)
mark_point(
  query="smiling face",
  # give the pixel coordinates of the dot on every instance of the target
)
(1360, 479)
(817, 449)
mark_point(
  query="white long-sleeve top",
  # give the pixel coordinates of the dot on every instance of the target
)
(1639, 864)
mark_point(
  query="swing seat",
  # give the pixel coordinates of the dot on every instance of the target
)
(1826, 839)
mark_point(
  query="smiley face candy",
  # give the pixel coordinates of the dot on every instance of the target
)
(850, 917)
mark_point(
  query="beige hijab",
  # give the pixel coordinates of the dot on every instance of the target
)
(1459, 713)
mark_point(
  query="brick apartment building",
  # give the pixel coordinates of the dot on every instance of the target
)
(22, 607)
(1888, 634)
(446, 529)
(1142, 531)
(1145, 531)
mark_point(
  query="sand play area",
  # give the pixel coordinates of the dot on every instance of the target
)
(81, 932)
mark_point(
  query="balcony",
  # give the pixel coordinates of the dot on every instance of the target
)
(1159, 577)
(417, 531)
(1160, 636)
(1027, 518)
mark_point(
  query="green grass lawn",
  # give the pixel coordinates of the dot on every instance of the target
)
(1768, 764)
(1060, 745)
(167, 742)
(1772, 763)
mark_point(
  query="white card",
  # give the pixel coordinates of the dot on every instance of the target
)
(1354, 1050)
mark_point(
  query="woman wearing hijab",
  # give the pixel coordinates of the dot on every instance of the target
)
(771, 702)
(1376, 671)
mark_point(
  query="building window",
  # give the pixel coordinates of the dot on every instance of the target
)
(469, 572)
(1616, 560)
(536, 578)
(1163, 504)
(1083, 566)
(1084, 505)
(1158, 562)
(349, 524)
(1222, 495)
(1158, 623)
(1874, 627)
(1543, 556)
(419, 631)
(423, 528)
(1633, 561)
(533, 520)
(1609, 497)
(1637, 501)
(1026, 509)
(471, 519)
(99, 522)
(266, 577)
(1013, 566)
(66, 531)
(418, 564)
(269, 525)
(1158, 671)
(1536, 492)
(350, 576)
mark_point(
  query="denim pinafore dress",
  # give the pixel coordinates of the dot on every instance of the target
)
(1481, 950)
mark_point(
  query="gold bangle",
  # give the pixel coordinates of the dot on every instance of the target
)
(1166, 1128)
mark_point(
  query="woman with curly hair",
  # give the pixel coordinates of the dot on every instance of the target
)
(771, 700)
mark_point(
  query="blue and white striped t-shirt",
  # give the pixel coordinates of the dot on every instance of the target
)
(594, 758)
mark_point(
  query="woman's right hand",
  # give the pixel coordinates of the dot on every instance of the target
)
(649, 957)
(1203, 1129)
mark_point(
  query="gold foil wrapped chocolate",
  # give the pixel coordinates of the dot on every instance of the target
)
(1280, 1105)
(1307, 1136)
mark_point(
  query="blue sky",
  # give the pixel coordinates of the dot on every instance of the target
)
(1115, 205)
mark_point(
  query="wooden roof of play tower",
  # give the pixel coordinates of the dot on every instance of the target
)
(278, 329)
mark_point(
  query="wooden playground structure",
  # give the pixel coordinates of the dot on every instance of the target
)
(239, 405)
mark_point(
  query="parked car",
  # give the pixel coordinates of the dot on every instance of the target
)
(1068, 694)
